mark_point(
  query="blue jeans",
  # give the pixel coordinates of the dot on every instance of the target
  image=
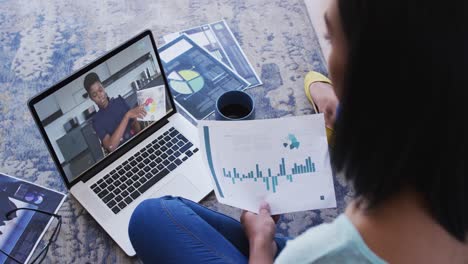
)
(177, 230)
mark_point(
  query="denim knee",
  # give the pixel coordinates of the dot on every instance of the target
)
(147, 211)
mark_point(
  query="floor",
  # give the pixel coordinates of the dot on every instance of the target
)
(316, 10)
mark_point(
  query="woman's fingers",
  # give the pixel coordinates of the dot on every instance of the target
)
(264, 208)
(140, 111)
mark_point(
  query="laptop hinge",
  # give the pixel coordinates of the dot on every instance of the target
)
(124, 149)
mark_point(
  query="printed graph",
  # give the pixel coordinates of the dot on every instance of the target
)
(283, 161)
(186, 81)
(261, 175)
(271, 179)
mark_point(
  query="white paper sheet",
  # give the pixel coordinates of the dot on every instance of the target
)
(154, 100)
(284, 162)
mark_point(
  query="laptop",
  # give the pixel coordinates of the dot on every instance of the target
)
(116, 137)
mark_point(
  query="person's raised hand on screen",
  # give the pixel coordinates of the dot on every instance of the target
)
(137, 112)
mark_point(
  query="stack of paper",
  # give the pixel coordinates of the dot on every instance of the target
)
(202, 63)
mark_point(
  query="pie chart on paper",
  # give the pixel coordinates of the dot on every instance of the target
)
(186, 81)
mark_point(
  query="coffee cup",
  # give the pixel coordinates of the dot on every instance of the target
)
(235, 105)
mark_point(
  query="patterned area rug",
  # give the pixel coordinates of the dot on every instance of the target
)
(44, 41)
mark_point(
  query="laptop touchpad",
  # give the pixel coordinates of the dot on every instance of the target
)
(179, 186)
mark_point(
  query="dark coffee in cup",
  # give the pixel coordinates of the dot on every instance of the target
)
(235, 111)
(235, 105)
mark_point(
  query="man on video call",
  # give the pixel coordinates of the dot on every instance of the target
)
(114, 122)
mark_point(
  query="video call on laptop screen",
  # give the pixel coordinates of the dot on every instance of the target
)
(105, 108)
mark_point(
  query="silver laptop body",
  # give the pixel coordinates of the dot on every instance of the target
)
(163, 158)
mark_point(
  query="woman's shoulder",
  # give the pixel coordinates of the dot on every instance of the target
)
(335, 242)
(313, 243)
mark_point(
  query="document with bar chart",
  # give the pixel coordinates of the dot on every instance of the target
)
(284, 162)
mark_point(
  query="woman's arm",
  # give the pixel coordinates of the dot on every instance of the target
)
(262, 252)
(260, 230)
(111, 142)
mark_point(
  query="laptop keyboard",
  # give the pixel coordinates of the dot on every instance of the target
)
(145, 168)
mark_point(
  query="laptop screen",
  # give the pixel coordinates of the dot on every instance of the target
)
(105, 108)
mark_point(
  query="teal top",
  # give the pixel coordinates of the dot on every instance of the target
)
(336, 242)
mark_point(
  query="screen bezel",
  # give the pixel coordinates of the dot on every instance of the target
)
(107, 160)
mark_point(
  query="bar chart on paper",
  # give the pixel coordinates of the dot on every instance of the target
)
(271, 179)
(281, 161)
